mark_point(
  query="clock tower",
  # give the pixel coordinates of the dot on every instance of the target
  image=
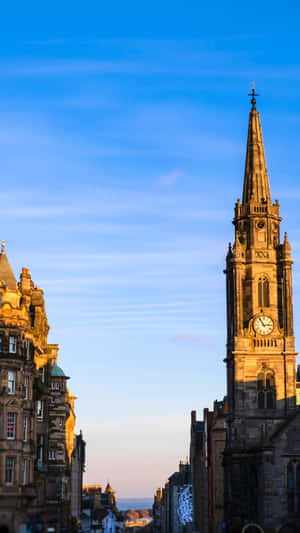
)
(261, 381)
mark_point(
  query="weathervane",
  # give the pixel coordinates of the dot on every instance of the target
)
(253, 94)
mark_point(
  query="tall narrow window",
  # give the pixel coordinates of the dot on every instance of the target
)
(266, 391)
(52, 455)
(11, 382)
(263, 292)
(9, 470)
(11, 426)
(12, 344)
(24, 471)
(40, 448)
(27, 349)
(291, 485)
(40, 410)
(42, 373)
(32, 315)
(270, 384)
(1, 343)
(26, 387)
(25, 436)
(260, 391)
(298, 486)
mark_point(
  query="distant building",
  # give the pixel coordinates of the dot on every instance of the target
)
(157, 510)
(78, 465)
(172, 509)
(100, 511)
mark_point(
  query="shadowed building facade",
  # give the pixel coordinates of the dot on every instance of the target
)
(36, 411)
(262, 453)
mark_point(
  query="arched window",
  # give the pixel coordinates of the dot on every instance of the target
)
(260, 391)
(266, 391)
(263, 292)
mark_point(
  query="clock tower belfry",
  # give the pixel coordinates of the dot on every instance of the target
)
(261, 382)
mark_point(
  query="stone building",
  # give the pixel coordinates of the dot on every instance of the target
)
(100, 510)
(157, 511)
(208, 438)
(37, 413)
(78, 465)
(245, 454)
(262, 453)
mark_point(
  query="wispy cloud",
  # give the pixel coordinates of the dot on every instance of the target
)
(191, 338)
(167, 180)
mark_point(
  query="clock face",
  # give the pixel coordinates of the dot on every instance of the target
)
(263, 325)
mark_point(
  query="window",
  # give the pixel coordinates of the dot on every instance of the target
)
(11, 382)
(12, 344)
(40, 410)
(266, 391)
(27, 349)
(52, 455)
(25, 435)
(55, 386)
(26, 387)
(0, 299)
(32, 315)
(11, 426)
(61, 421)
(263, 292)
(1, 343)
(42, 374)
(9, 470)
(291, 485)
(40, 448)
(53, 400)
(24, 471)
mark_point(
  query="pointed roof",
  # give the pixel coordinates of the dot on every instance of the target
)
(256, 181)
(6, 273)
(108, 488)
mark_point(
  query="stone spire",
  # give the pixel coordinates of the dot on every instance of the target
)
(256, 182)
(6, 273)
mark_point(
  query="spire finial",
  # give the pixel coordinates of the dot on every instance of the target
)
(253, 94)
(3, 247)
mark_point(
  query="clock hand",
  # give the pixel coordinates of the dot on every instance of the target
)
(262, 322)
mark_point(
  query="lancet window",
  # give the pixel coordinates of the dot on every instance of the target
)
(266, 391)
(263, 292)
(293, 486)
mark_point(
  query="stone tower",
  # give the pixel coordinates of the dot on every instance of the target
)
(261, 382)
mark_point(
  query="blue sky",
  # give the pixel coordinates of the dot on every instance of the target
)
(122, 144)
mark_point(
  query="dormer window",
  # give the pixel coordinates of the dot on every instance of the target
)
(12, 344)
